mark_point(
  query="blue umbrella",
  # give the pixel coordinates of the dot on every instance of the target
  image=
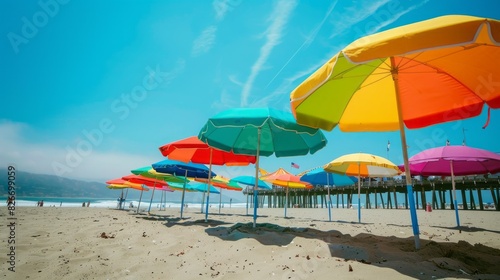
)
(250, 181)
(321, 177)
(202, 187)
(179, 168)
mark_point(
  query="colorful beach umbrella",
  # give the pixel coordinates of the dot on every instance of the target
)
(320, 177)
(415, 75)
(362, 165)
(250, 181)
(453, 161)
(260, 132)
(179, 168)
(287, 180)
(192, 149)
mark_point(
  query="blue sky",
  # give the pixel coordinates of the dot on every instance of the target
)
(91, 89)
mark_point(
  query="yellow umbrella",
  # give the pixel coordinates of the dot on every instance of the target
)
(416, 75)
(362, 165)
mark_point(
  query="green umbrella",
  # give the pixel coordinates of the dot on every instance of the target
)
(260, 131)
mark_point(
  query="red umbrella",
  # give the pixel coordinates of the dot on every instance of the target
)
(192, 149)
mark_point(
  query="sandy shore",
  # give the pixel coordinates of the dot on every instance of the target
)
(98, 243)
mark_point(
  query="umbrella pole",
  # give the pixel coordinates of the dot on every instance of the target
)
(359, 193)
(220, 198)
(126, 194)
(454, 194)
(247, 200)
(183, 192)
(409, 187)
(152, 195)
(140, 198)
(202, 202)
(256, 180)
(286, 200)
(329, 197)
(208, 187)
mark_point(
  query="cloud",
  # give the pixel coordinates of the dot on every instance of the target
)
(279, 18)
(37, 157)
(355, 14)
(221, 7)
(395, 16)
(205, 41)
(309, 39)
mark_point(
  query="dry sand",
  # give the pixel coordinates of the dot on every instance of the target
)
(98, 243)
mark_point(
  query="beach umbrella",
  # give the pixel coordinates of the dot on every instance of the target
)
(192, 149)
(362, 165)
(287, 180)
(179, 168)
(260, 132)
(320, 177)
(149, 172)
(250, 181)
(454, 161)
(415, 75)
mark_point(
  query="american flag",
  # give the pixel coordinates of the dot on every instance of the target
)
(294, 165)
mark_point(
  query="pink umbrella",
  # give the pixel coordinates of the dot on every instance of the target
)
(454, 160)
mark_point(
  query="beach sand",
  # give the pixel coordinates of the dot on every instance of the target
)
(99, 243)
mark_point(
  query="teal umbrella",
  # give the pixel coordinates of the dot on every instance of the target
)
(260, 131)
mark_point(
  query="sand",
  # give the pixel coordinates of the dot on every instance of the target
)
(99, 243)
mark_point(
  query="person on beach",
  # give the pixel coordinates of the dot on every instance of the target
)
(88, 203)
(41, 203)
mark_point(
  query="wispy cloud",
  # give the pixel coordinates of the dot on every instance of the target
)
(355, 14)
(221, 7)
(309, 39)
(279, 18)
(205, 41)
(38, 157)
(395, 16)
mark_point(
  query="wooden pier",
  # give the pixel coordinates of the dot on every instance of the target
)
(385, 194)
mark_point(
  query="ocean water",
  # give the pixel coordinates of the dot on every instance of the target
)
(108, 203)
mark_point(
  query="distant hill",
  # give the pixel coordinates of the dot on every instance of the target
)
(42, 185)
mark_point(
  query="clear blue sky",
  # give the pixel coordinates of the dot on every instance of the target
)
(91, 89)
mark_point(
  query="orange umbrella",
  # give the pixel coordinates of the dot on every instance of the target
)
(285, 179)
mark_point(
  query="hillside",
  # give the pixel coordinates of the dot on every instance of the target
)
(42, 185)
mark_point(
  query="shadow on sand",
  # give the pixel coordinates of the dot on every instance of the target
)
(436, 258)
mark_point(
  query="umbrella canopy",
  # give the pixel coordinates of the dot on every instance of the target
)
(192, 149)
(128, 185)
(321, 177)
(179, 168)
(149, 172)
(150, 182)
(260, 131)
(362, 165)
(237, 130)
(436, 63)
(221, 182)
(250, 181)
(452, 161)
(416, 75)
(202, 187)
(466, 161)
(283, 178)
